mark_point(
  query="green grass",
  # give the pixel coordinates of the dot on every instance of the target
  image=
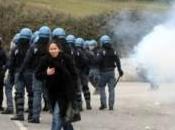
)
(82, 8)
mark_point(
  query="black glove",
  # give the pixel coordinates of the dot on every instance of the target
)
(121, 73)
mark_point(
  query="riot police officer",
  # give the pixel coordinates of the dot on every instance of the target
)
(34, 54)
(108, 59)
(3, 61)
(82, 64)
(24, 79)
(9, 82)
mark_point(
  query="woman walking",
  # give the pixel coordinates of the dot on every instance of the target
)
(58, 70)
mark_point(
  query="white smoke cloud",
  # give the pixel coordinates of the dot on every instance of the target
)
(155, 54)
(128, 27)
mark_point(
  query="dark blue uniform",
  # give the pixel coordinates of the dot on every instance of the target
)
(22, 79)
(94, 74)
(82, 64)
(33, 56)
(108, 60)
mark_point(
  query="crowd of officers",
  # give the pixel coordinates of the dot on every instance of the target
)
(95, 63)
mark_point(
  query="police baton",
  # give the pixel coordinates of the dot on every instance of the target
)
(117, 80)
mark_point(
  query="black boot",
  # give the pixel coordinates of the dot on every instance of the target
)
(34, 121)
(7, 111)
(19, 118)
(1, 108)
(102, 107)
(29, 116)
(111, 108)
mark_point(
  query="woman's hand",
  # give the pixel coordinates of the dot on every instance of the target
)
(50, 71)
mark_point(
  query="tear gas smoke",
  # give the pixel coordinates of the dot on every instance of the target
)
(155, 54)
(127, 28)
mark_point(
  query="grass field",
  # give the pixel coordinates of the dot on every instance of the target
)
(82, 8)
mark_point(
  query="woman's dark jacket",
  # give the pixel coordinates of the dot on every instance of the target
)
(62, 85)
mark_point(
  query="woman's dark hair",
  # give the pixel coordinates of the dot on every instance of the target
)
(58, 44)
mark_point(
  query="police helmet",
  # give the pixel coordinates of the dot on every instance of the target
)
(105, 39)
(26, 33)
(70, 38)
(79, 42)
(58, 32)
(44, 32)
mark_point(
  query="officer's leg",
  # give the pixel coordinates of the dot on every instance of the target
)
(86, 91)
(96, 80)
(111, 85)
(8, 92)
(91, 77)
(78, 95)
(19, 98)
(102, 85)
(28, 83)
(37, 92)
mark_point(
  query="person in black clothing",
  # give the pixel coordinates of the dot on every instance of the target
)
(58, 70)
(9, 81)
(107, 60)
(31, 61)
(22, 80)
(3, 61)
(94, 74)
(82, 64)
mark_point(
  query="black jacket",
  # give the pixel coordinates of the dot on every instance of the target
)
(61, 85)
(33, 56)
(17, 57)
(108, 59)
(81, 60)
(93, 63)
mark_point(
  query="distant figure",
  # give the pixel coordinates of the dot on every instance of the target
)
(9, 80)
(3, 60)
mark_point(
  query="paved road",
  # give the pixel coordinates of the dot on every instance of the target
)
(137, 108)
